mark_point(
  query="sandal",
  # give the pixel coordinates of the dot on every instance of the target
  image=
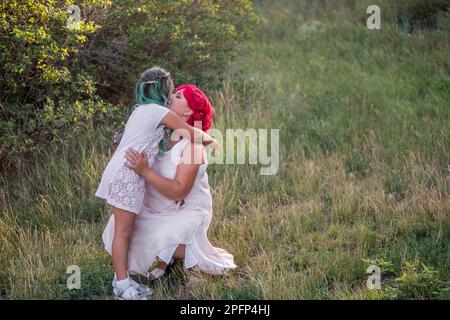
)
(130, 293)
(155, 274)
(158, 273)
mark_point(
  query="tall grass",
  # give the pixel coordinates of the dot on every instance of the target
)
(364, 169)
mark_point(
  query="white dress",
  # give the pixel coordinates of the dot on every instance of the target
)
(120, 186)
(163, 224)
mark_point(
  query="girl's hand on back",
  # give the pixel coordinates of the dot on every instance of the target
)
(138, 162)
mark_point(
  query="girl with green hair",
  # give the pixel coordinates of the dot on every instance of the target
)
(121, 187)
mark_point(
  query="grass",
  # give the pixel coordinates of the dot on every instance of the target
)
(364, 170)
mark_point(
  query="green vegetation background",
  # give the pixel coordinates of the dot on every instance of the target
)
(364, 132)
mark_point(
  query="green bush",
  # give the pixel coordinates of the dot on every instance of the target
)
(192, 39)
(39, 50)
(44, 90)
(417, 282)
(54, 77)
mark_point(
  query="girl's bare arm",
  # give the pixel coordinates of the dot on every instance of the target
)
(172, 120)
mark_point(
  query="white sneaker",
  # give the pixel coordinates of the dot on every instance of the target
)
(143, 289)
(128, 294)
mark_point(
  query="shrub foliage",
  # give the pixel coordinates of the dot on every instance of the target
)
(57, 71)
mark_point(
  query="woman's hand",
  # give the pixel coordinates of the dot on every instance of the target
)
(138, 162)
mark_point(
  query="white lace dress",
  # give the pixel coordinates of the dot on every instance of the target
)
(120, 186)
(163, 224)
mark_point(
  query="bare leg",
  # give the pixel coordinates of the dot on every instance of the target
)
(180, 251)
(124, 224)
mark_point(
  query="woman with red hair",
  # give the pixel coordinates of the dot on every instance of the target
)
(177, 208)
(198, 102)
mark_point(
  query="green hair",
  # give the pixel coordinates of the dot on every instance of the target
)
(154, 86)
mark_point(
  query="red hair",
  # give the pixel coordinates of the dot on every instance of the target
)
(199, 103)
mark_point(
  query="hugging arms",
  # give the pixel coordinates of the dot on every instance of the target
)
(179, 187)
